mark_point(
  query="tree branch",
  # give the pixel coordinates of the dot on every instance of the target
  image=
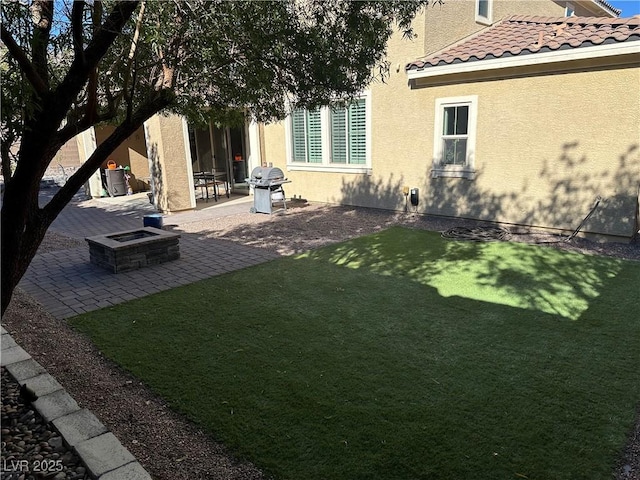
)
(162, 100)
(132, 54)
(42, 17)
(92, 95)
(77, 14)
(109, 31)
(105, 35)
(71, 129)
(92, 86)
(25, 64)
(5, 151)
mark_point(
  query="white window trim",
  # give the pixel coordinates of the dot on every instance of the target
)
(569, 8)
(458, 171)
(326, 165)
(488, 20)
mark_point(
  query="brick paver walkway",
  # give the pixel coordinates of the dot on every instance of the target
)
(66, 284)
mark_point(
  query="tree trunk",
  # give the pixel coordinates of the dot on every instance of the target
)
(24, 223)
(20, 242)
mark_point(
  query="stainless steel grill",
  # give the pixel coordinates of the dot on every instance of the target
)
(267, 189)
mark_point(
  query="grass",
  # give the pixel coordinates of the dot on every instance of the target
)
(399, 355)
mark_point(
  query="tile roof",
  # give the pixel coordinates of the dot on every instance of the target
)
(521, 35)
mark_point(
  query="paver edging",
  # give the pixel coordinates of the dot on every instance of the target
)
(98, 448)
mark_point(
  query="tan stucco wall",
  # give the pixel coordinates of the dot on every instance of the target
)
(131, 152)
(546, 147)
(453, 20)
(171, 174)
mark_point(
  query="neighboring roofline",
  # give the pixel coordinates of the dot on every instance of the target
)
(538, 58)
(607, 7)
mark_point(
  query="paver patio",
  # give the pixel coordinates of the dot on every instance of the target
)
(67, 284)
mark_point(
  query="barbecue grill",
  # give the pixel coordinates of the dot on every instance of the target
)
(267, 189)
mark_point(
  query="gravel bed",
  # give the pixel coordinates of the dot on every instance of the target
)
(166, 444)
(306, 226)
(31, 447)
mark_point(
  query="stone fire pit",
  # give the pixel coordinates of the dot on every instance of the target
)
(133, 249)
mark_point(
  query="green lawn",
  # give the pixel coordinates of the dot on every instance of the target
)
(399, 355)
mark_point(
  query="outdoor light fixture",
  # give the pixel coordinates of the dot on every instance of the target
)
(414, 197)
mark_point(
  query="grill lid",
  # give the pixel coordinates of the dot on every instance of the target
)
(267, 175)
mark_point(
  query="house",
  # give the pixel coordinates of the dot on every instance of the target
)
(526, 113)
(164, 155)
(512, 111)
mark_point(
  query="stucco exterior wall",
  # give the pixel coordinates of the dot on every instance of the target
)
(171, 173)
(454, 20)
(547, 147)
(131, 152)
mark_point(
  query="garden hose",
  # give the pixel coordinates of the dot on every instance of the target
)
(478, 234)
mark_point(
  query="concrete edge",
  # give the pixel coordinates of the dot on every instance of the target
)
(99, 449)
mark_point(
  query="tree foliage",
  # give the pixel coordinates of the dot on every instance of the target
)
(68, 66)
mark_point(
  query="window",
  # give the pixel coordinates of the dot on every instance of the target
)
(455, 137)
(484, 11)
(569, 10)
(349, 134)
(330, 138)
(307, 136)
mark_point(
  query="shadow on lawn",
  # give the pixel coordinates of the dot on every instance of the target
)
(518, 275)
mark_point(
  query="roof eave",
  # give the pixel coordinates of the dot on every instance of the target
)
(533, 59)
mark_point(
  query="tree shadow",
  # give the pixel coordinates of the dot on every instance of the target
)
(559, 196)
(367, 192)
(538, 279)
(158, 193)
(560, 284)
(532, 277)
(301, 228)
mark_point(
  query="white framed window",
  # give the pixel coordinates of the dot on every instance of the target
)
(334, 138)
(454, 139)
(569, 10)
(484, 11)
